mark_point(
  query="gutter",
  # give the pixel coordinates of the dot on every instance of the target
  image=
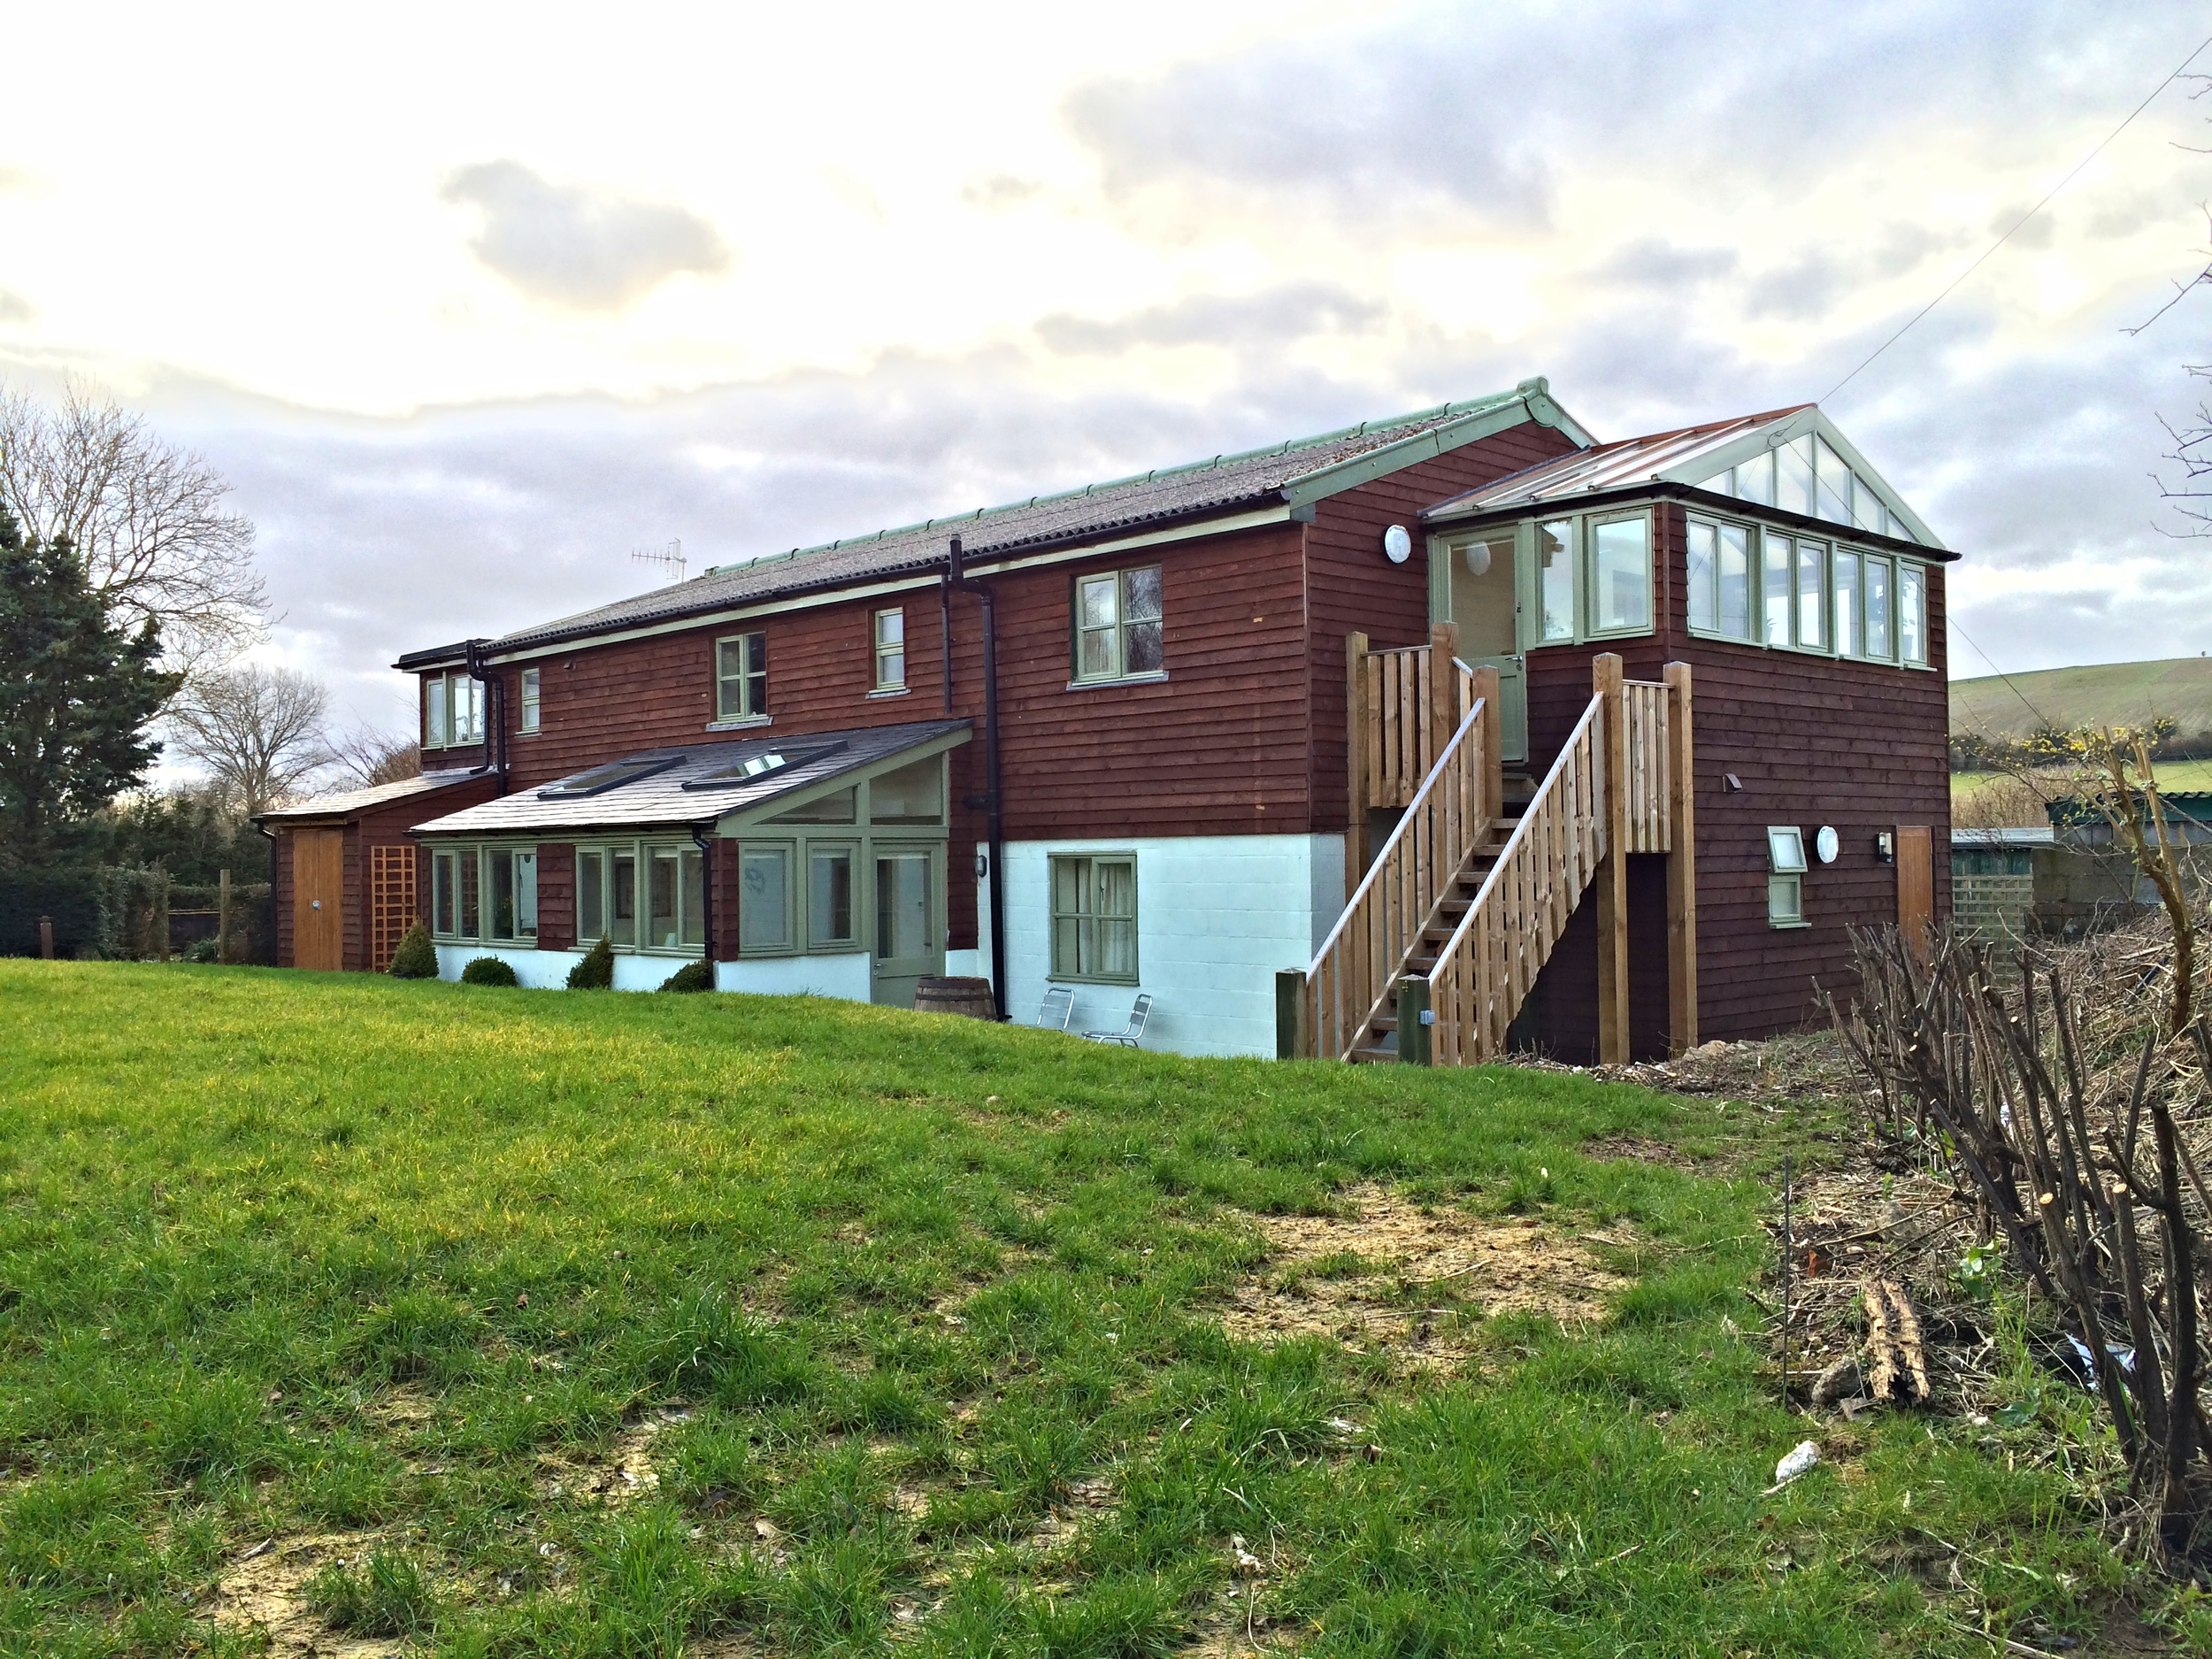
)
(993, 800)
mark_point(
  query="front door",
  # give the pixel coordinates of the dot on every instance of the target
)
(318, 899)
(1480, 599)
(910, 932)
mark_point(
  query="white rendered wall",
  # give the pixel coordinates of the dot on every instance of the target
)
(847, 977)
(1216, 917)
(548, 969)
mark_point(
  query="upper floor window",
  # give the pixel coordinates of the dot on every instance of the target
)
(740, 678)
(452, 711)
(1808, 594)
(1593, 578)
(891, 651)
(1119, 624)
(530, 699)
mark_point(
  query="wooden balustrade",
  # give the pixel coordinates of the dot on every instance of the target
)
(1489, 965)
(1356, 970)
(1644, 713)
(1405, 723)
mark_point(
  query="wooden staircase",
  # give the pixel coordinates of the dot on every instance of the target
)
(1443, 938)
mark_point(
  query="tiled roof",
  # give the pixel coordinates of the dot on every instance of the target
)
(351, 801)
(1225, 484)
(660, 798)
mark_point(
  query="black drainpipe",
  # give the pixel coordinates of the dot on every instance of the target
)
(704, 843)
(495, 714)
(954, 580)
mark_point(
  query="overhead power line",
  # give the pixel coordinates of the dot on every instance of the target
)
(2024, 218)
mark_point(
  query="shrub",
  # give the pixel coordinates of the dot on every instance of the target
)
(490, 970)
(416, 958)
(693, 975)
(595, 971)
(203, 950)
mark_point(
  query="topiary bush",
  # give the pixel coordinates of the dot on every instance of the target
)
(693, 975)
(490, 970)
(416, 958)
(595, 971)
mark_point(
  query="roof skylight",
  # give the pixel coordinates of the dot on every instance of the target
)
(599, 780)
(759, 764)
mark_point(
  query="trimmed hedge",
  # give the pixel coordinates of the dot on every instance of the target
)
(417, 959)
(693, 975)
(595, 971)
(490, 970)
(75, 898)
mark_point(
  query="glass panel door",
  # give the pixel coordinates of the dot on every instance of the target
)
(909, 943)
(1483, 579)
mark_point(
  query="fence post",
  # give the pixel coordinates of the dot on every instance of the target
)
(222, 916)
(1612, 871)
(1416, 1024)
(1443, 690)
(1681, 866)
(1291, 1039)
(1356, 719)
(1487, 690)
(46, 938)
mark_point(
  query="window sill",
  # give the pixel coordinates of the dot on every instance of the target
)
(890, 691)
(1083, 979)
(1121, 679)
(1785, 927)
(745, 725)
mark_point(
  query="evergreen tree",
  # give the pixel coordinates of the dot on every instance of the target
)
(77, 694)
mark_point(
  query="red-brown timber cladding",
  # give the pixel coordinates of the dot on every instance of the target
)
(1815, 740)
(385, 826)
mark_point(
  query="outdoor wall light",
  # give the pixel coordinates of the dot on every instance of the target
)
(982, 864)
(1885, 848)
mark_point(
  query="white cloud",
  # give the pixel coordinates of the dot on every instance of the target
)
(578, 247)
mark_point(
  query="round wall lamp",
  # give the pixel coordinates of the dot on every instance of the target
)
(1397, 544)
(1826, 844)
(1478, 558)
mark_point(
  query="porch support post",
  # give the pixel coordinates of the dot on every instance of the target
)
(1291, 1039)
(1681, 866)
(1612, 872)
(1357, 717)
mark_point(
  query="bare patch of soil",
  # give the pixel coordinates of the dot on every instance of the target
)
(262, 1589)
(1369, 1279)
(627, 1472)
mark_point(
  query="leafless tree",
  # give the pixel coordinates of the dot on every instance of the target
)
(147, 518)
(366, 757)
(258, 731)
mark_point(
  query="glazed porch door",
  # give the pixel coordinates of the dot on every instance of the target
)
(1480, 590)
(909, 921)
(319, 899)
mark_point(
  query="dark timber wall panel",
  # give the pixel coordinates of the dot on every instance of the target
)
(1815, 740)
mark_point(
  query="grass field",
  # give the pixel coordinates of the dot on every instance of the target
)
(2107, 693)
(2172, 774)
(497, 1322)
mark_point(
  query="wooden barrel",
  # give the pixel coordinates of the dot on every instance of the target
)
(948, 996)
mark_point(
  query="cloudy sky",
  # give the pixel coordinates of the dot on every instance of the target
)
(470, 303)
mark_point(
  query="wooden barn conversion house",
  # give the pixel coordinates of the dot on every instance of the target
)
(1426, 737)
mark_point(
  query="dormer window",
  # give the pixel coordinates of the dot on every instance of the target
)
(452, 711)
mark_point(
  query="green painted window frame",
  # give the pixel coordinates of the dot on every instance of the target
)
(1786, 865)
(690, 867)
(1592, 526)
(1541, 613)
(445, 699)
(532, 687)
(1117, 633)
(1762, 620)
(741, 693)
(1066, 926)
(450, 868)
(890, 648)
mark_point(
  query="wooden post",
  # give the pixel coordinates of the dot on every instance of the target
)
(1415, 1023)
(1357, 715)
(1291, 1039)
(1612, 871)
(222, 916)
(1681, 866)
(46, 938)
(1487, 690)
(1443, 690)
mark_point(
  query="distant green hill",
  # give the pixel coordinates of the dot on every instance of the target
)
(2110, 693)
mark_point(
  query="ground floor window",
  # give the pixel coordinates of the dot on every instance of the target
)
(642, 896)
(1786, 876)
(1094, 917)
(484, 892)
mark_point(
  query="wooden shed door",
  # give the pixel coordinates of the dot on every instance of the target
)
(1915, 886)
(318, 899)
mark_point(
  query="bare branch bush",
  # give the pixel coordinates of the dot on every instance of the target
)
(364, 756)
(258, 731)
(148, 518)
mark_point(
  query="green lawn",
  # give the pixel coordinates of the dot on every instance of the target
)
(924, 1319)
(2172, 774)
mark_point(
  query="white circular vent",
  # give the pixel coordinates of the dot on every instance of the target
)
(1397, 544)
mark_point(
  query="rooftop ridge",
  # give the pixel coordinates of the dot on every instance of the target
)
(1439, 412)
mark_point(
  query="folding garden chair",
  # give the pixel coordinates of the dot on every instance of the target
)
(1059, 1003)
(1128, 1034)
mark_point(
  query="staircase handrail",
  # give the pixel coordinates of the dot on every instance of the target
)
(1531, 816)
(1443, 871)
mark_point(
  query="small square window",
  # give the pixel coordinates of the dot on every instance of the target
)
(1120, 623)
(1785, 850)
(1785, 900)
